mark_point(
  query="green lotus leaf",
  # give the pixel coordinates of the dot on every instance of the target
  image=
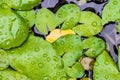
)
(22, 4)
(37, 59)
(13, 30)
(75, 71)
(94, 45)
(105, 68)
(10, 74)
(29, 16)
(4, 61)
(91, 24)
(111, 11)
(69, 15)
(45, 18)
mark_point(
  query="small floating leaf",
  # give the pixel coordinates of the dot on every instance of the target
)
(104, 67)
(111, 11)
(69, 15)
(91, 24)
(77, 71)
(94, 45)
(45, 18)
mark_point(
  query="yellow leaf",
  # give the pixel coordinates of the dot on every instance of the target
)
(57, 33)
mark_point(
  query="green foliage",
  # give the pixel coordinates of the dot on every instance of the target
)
(94, 46)
(29, 16)
(69, 15)
(37, 59)
(45, 18)
(91, 24)
(4, 61)
(105, 68)
(22, 4)
(11, 28)
(10, 74)
(111, 11)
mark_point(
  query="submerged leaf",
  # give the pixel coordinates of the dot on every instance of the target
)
(91, 24)
(45, 18)
(69, 15)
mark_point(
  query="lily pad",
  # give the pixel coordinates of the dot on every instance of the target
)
(105, 68)
(22, 4)
(37, 60)
(13, 30)
(111, 11)
(94, 46)
(69, 15)
(29, 16)
(91, 24)
(10, 74)
(76, 71)
(45, 18)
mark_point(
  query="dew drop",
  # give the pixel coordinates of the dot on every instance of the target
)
(44, 55)
(60, 15)
(36, 49)
(67, 23)
(96, 64)
(94, 23)
(93, 52)
(46, 78)
(62, 42)
(25, 14)
(40, 65)
(115, 2)
(7, 42)
(106, 62)
(32, 62)
(78, 28)
(106, 77)
(48, 59)
(55, 58)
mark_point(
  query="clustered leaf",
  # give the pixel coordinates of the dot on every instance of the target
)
(24, 56)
